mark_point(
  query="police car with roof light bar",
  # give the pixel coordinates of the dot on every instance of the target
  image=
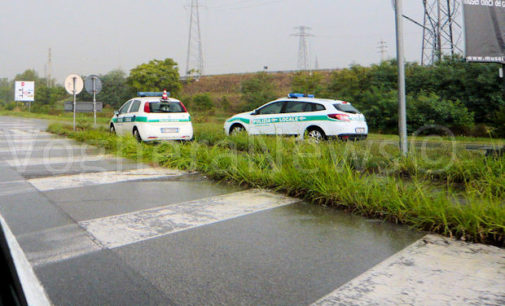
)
(303, 116)
(153, 116)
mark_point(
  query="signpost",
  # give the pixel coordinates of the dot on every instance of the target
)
(93, 86)
(402, 108)
(24, 91)
(74, 85)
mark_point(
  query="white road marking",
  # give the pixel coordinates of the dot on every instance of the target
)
(57, 244)
(107, 177)
(121, 230)
(18, 162)
(32, 288)
(15, 187)
(34, 140)
(432, 271)
(31, 148)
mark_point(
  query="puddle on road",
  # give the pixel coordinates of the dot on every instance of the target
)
(329, 222)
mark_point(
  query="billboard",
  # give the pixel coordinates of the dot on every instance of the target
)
(484, 30)
(24, 91)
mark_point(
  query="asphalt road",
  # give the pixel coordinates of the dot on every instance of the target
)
(98, 229)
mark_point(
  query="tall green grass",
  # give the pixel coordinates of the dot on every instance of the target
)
(346, 175)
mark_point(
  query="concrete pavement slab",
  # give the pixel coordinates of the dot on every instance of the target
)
(99, 278)
(57, 244)
(433, 271)
(290, 255)
(98, 201)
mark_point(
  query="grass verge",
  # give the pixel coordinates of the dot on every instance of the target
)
(323, 174)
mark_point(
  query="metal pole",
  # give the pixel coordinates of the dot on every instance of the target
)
(402, 108)
(94, 99)
(73, 90)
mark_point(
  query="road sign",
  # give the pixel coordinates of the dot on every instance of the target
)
(82, 107)
(69, 84)
(88, 84)
(24, 91)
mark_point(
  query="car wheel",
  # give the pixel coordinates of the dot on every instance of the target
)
(237, 129)
(136, 134)
(315, 134)
(112, 129)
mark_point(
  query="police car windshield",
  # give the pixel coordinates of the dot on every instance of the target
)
(346, 108)
(166, 107)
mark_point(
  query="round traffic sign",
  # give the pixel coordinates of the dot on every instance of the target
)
(88, 84)
(69, 84)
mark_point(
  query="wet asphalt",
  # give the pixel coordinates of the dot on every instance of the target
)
(285, 252)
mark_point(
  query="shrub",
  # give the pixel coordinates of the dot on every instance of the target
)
(257, 91)
(202, 102)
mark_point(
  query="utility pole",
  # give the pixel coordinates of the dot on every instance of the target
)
(194, 57)
(402, 104)
(303, 50)
(383, 50)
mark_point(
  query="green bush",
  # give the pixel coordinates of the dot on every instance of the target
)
(202, 102)
(257, 91)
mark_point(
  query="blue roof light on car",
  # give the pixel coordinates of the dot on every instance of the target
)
(151, 94)
(295, 95)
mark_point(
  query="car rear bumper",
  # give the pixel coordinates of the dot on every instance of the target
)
(152, 132)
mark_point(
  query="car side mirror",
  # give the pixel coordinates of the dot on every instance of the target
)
(116, 113)
(255, 112)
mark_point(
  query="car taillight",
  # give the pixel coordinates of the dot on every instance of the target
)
(184, 107)
(340, 117)
(147, 109)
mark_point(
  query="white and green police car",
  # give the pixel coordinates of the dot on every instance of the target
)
(153, 116)
(302, 115)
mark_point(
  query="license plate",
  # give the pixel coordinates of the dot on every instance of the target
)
(360, 130)
(169, 130)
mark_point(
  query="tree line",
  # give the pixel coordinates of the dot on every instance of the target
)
(466, 97)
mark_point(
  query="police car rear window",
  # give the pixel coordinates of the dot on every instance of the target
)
(164, 107)
(346, 108)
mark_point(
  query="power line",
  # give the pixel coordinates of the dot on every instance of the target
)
(194, 57)
(303, 50)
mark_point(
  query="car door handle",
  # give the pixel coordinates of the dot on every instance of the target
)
(133, 118)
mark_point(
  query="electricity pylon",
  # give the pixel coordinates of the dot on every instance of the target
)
(303, 50)
(194, 57)
(442, 32)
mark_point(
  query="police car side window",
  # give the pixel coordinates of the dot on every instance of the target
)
(135, 106)
(125, 107)
(297, 107)
(274, 108)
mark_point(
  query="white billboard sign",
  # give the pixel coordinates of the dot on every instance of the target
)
(24, 91)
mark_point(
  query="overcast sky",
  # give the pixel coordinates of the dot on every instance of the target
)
(96, 36)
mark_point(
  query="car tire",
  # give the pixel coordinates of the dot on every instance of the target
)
(136, 134)
(315, 134)
(112, 129)
(237, 129)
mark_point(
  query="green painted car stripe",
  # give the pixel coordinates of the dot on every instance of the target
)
(239, 119)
